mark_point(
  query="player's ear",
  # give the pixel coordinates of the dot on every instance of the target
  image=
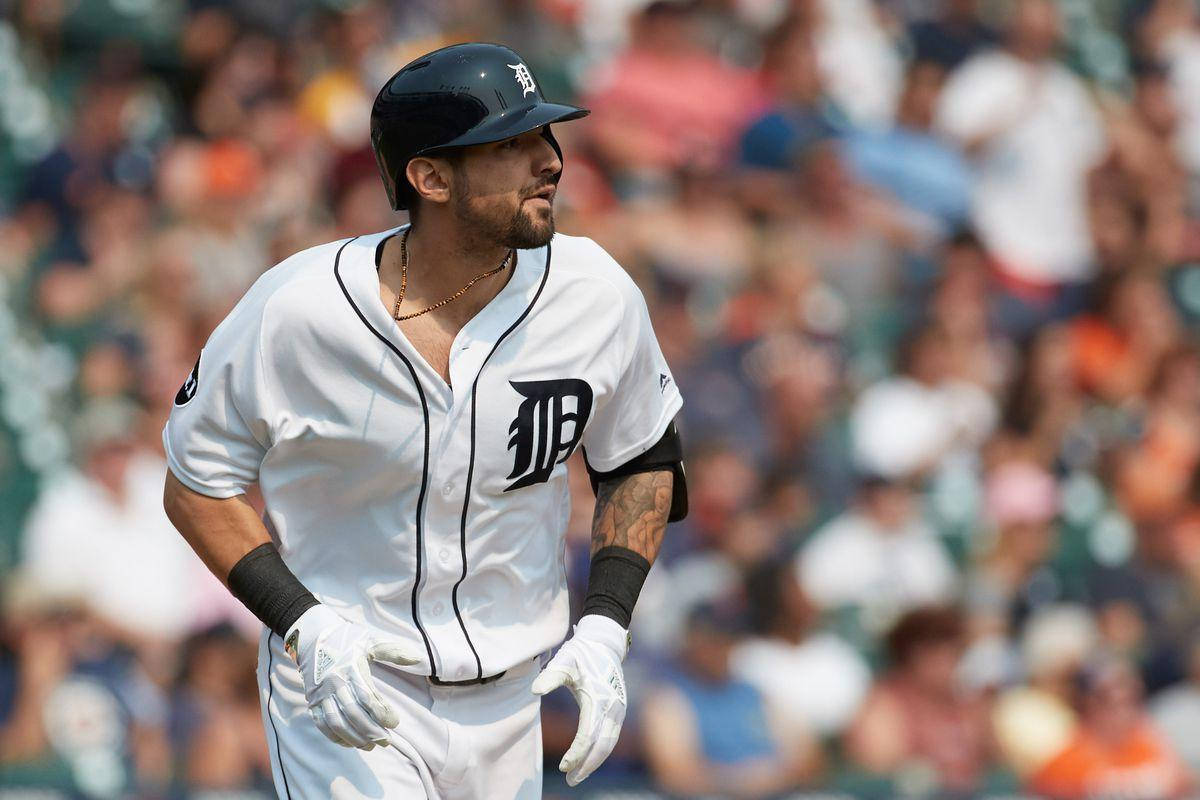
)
(430, 178)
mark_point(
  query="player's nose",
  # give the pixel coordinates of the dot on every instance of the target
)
(547, 161)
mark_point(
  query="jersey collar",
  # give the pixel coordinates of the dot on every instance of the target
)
(511, 307)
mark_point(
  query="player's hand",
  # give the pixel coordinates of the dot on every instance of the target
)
(334, 656)
(589, 664)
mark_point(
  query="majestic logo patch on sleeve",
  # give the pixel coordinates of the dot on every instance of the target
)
(549, 424)
(188, 390)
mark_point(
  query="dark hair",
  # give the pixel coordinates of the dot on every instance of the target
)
(922, 627)
(724, 616)
(924, 333)
(219, 633)
(764, 592)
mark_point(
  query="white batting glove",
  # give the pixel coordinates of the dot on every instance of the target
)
(589, 664)
(334, 656)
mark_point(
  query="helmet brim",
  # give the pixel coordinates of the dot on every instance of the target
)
(514, 123)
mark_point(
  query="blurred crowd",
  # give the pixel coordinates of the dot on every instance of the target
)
(928, 276)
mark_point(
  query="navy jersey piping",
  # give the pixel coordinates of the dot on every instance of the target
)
(471, 462)
(425, 464)
(270, 694)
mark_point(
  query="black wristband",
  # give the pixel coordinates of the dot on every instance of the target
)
(614, 583)
(268, 588)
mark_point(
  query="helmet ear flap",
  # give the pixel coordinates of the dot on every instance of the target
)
(549, 137)
(390, 179)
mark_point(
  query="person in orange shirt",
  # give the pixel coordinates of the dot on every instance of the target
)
(1116, 752)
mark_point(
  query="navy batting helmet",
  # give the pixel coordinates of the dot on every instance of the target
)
(459, 95)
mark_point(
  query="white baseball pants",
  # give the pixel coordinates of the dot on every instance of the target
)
(453, 742)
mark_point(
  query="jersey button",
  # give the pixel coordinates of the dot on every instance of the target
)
(447, 489)
(444, 555)
(438, 608)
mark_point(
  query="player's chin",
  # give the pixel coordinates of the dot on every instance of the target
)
(537, 222)
(538, 210)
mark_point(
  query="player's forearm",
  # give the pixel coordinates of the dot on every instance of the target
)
(232, 541)
(221, 531)
(627, 530)
(631, 512)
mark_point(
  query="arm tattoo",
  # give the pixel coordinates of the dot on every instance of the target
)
(631, 511)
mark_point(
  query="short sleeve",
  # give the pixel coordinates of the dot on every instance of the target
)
(218, 431)
(631, 419)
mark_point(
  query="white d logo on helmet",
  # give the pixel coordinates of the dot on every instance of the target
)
(523, 78)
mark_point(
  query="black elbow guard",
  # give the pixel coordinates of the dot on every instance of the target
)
(666, 453)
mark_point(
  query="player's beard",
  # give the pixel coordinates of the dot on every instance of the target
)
(522, 228)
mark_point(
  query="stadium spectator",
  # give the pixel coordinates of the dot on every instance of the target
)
(1034, 721)
(907, 424)
(1012, 578)
(917, 716)
(1176, 712)
(907, 160)
(880, 558)
(1043, 416)
(709, 733)
(216, 726)
(80, 715)
(810, 676)
(950, 35)
(1169, 30)
(799, 114)
(104, 535)
(666, 101)
(859, 58)
(1116, 751)
(1034, 133)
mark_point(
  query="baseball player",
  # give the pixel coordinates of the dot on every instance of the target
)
(406, 401)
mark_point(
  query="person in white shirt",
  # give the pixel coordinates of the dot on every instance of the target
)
(881, 557)
(99, 534)
(407, 401)
(812, 679)
(1034, 132)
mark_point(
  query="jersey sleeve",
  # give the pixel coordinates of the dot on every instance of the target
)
(219, 428)
(632, 418)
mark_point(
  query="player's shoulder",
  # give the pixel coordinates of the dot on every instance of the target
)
(293, 292)
(580, 260)
(298, 268)
(312, 263)
(306, 278)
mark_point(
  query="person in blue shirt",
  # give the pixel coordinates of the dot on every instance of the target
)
(800, 114)
(709, 733)
(923, 172)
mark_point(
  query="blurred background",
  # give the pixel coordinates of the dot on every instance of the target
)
(928, 275)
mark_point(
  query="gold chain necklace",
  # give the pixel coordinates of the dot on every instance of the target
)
(404, 281)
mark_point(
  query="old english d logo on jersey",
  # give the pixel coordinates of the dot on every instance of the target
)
(549, 424)
(188, 390)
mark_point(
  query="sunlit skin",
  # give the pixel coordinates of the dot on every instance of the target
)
(476, 206)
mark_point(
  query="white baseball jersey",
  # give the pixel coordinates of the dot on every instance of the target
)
(432, 513)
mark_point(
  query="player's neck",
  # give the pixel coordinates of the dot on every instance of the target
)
(442, 261)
